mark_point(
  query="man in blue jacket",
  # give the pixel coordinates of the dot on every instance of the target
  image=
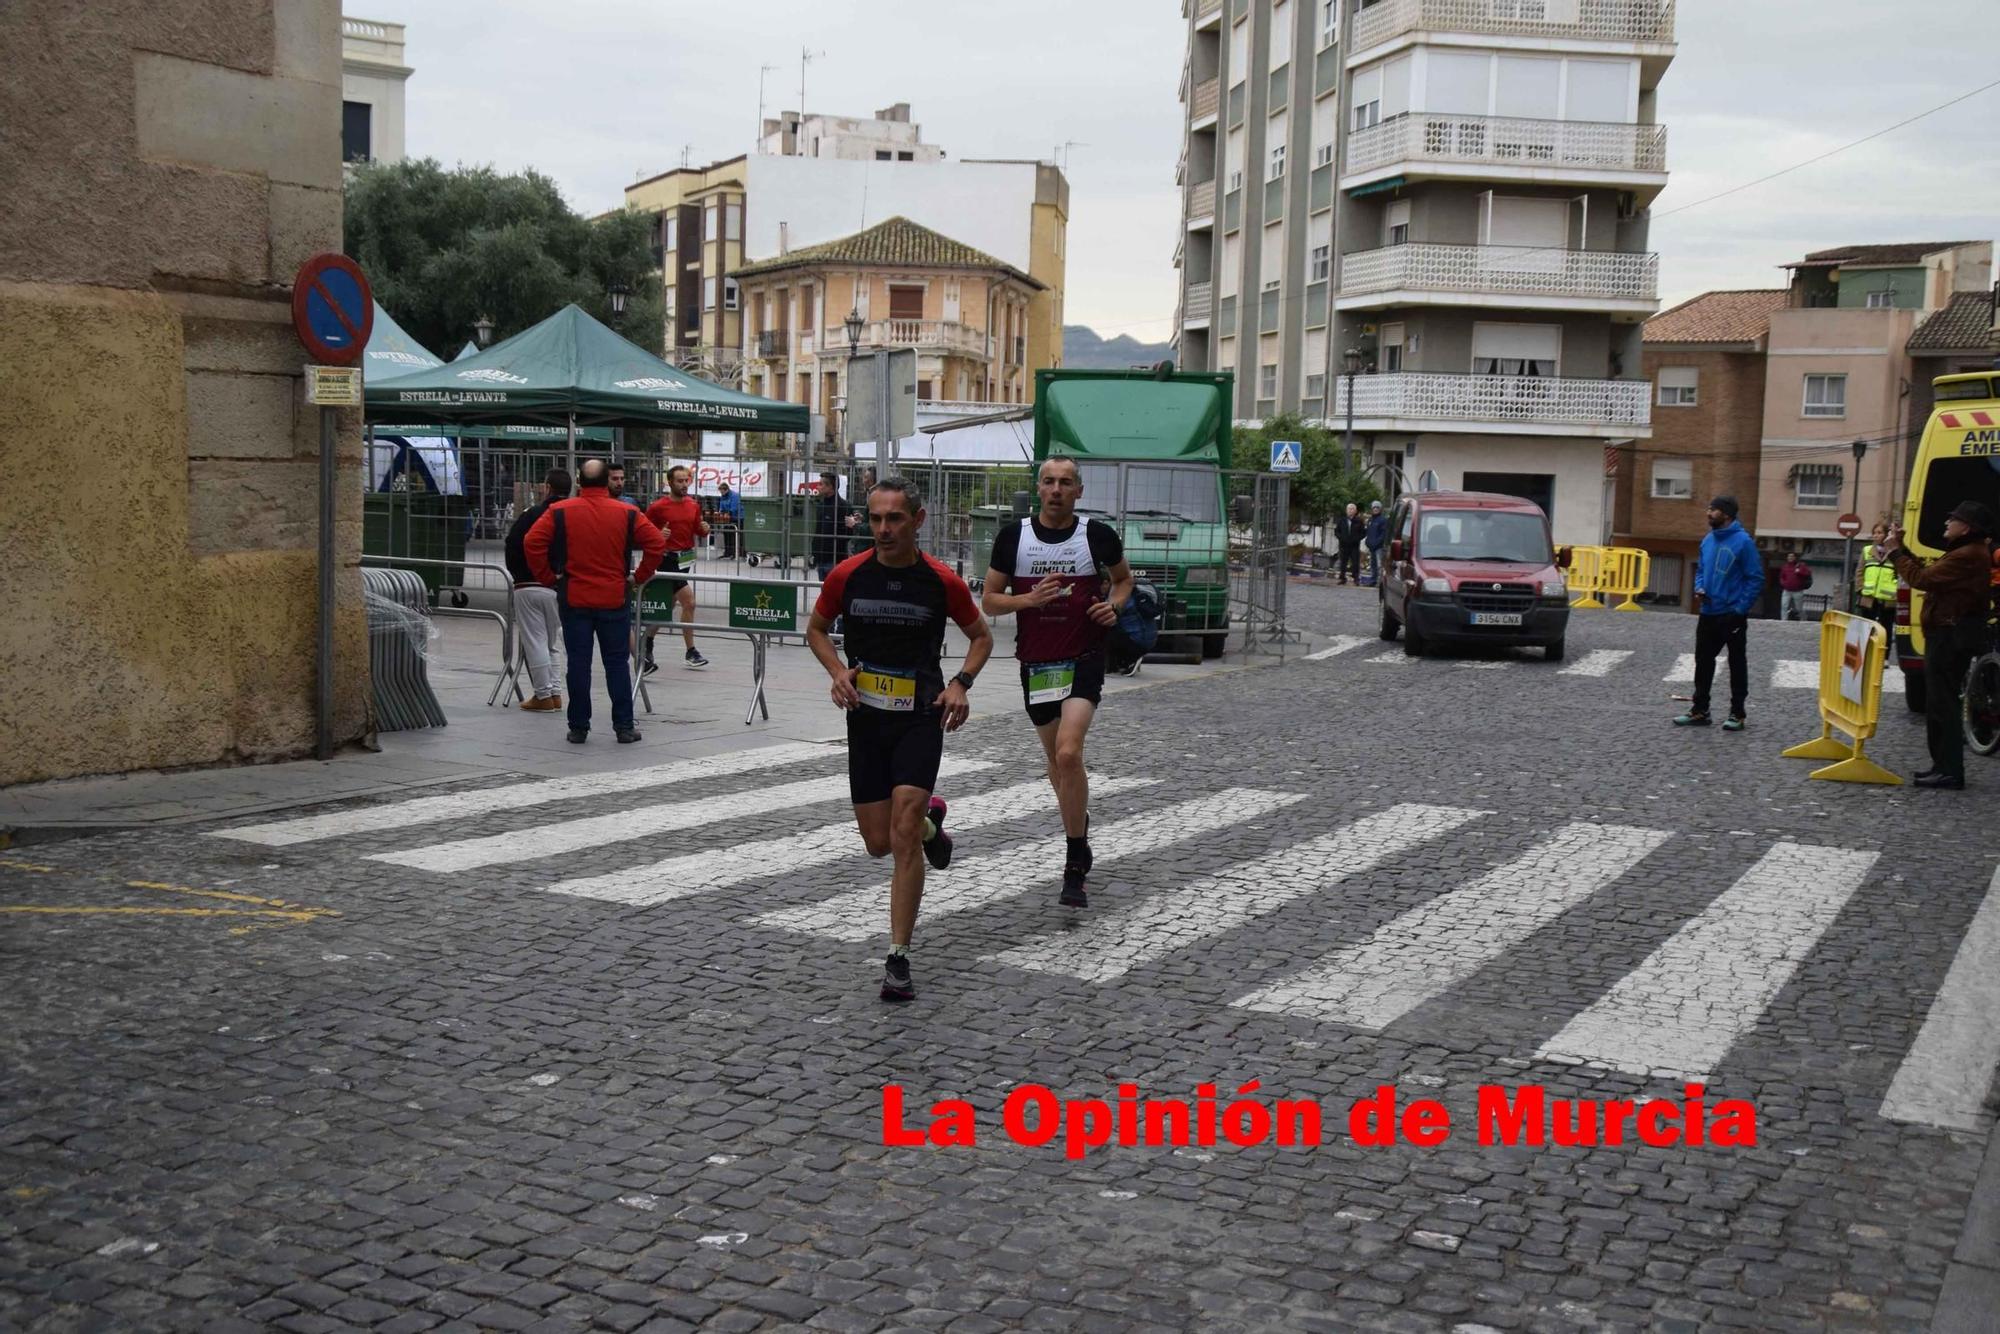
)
(1727, 583)
(1377, 534)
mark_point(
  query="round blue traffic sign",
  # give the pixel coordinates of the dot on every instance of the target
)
(333, 309)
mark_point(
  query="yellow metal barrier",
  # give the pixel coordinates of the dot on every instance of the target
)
(1852, 650)
(1587, 568)
(1628, 571)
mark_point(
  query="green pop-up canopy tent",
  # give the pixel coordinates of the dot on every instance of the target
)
(392, 352)
(569, 370)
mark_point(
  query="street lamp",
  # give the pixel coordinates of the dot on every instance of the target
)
(619, 291)
(853, 326)
(1353, 359)
(482, 329)
(1860, 449)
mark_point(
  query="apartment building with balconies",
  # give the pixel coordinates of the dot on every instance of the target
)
(1470, 221)
(1260, 91)
(965, 313)
(698, 220)
(1498, 162)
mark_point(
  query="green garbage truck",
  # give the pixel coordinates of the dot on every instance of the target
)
(1152, 446)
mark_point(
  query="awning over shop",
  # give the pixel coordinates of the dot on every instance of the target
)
(571, 368)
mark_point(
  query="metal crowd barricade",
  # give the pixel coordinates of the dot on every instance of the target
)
(760, 640)
(1628, 571)
(1852, 651)
(510, 670)
(398, 623)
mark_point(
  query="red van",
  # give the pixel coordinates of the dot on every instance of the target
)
(1468, 567)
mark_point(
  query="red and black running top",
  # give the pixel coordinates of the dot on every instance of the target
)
(894, 615)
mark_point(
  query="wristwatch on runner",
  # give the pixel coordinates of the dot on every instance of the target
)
(965, 679)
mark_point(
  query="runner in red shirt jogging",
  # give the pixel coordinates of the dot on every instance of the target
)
(894, 601)
(678, 515)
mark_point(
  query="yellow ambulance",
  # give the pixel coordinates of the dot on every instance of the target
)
(1958, 460)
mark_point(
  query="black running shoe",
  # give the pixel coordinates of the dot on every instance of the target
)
(896, 983)
(937, 848)
(1072, 890)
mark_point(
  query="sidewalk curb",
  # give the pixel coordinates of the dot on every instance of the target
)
(1971, 1293)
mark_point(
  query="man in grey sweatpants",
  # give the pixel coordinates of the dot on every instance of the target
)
(537, 618)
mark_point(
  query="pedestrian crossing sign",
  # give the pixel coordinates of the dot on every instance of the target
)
(1285, 455)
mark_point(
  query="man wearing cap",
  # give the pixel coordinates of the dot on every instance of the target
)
(1727, 582)
(1957, 598)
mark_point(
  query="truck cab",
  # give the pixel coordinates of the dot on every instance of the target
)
(1151, 447)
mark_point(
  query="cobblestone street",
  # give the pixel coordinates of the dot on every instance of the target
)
(606, 1051)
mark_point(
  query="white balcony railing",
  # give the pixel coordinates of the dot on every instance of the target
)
(1649, 21)
(1507, 399)
(1509, 270)
(1201, 201)
(1508, 141)
(1200, 302)
(1207, 98)
(924, 335)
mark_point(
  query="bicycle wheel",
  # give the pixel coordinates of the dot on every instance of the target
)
(1982, 705)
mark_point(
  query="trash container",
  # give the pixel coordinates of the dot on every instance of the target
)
(777, 529)
(421, 525)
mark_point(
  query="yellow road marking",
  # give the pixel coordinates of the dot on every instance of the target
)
(271, 912)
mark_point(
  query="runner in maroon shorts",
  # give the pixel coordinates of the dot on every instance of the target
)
(1054, 571)
(893, 602)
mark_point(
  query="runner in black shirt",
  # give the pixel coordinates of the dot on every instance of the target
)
(893, 602)
(1068, 581)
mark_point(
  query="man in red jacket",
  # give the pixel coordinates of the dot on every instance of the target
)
(581, 546)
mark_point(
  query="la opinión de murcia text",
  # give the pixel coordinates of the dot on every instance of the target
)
(1037, 1117)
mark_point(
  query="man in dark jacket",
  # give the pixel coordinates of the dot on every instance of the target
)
(537, 617)
(1348, 531)
(582, 546)
(1957, 600)
(830, 526)
(1377, 537)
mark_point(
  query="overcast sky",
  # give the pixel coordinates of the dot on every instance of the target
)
(598, 93)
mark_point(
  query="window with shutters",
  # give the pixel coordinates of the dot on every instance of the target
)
(1816, 486)
(1678, 386)
(1272, 259)
(906, 301)
(1396, 223)
(732, 229)
(1281, 33)
(1673, 479)
(1516, 349)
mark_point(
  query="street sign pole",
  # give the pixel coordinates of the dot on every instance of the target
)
(333, 312)
(1852, 528)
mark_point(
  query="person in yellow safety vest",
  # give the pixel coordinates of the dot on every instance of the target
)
(1878, 581)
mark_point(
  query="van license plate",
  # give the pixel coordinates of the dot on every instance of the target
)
(1496, 618)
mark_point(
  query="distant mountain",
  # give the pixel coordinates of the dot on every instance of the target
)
(1084, 350)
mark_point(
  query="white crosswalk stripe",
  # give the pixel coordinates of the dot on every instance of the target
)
(1432, 948)
(1340, 644)
(858, 914)
(1597, 662)
(520, 796)
(1111, 946)
(552, 839)
(1944, 1078)
(1803, 674)
(1395, 657)
(1682, 671)
(701, 872)
(1679, 1012)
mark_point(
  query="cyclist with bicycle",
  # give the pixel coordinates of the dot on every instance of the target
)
(1957, 602)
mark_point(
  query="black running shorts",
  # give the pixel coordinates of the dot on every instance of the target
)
(1089, 684)
(886, 751)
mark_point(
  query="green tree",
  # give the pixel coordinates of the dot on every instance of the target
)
(442, 248)
(1323, 486)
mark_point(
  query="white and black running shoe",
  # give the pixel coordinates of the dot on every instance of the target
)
(896, 983)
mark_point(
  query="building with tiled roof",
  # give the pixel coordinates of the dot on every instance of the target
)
(1960, 337)
(965, 312)
(897, 241)
(1706, 360)
(1742, 316)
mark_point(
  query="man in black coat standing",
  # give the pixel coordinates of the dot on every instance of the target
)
(1348, 530)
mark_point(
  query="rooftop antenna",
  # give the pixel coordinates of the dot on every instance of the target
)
(806, 57)
(687, 151)
(1063, 148)
(762, 72)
